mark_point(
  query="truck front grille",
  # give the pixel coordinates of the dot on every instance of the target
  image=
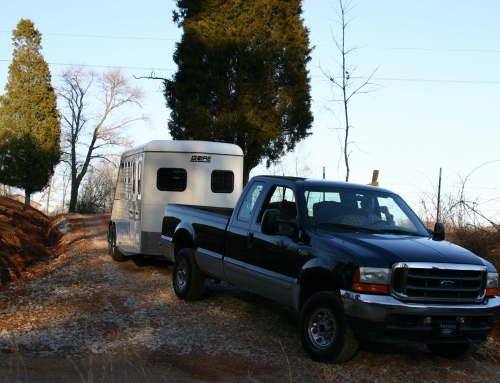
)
(418, 281)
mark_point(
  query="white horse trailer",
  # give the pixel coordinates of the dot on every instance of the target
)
(161, 172)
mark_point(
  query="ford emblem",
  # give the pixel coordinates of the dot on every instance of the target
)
(447, 284)
(447, 331)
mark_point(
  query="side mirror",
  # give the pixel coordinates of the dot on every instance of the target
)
(439, 232)
(270, 224)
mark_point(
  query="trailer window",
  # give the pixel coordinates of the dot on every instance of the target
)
(139, 175)
(128, 184)
(133, 178)
(222, 181)
(171, 179)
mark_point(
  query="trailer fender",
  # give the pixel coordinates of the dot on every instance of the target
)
(122, 230)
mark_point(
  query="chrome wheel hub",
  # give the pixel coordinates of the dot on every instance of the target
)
(321, 328)
(182, 275)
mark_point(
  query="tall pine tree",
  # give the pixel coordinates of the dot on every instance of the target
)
(30, 126)
(241, 76)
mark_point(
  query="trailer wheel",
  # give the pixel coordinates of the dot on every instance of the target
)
(116, 254)
(324, 332)
(110, 237)
(457, 351)
(187, 278)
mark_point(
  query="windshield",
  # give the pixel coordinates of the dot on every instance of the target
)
(345, 209)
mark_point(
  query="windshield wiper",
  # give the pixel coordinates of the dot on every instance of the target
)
(400, 231)
(349, 227)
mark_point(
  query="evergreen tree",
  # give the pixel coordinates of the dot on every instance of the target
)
(241, 76)
(29, 120)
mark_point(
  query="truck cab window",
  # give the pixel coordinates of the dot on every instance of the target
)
(283, 199)
(250, 200)
(322, 205)
(171, 179)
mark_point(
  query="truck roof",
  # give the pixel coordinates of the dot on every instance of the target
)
(190, 146)
(301, 181)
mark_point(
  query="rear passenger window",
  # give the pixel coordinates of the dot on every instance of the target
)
(222, 181)
(250, 200)
(171, 179)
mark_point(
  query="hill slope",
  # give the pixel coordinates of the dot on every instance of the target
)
(26, 238)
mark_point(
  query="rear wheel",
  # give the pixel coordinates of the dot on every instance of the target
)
(187, 278)
(110, 238)
(116, 254)
(324, 332)
(457, 351)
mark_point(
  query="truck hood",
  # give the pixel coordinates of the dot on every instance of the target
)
(383, 250)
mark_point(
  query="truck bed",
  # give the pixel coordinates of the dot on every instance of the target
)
(226, 211)
(213, 219)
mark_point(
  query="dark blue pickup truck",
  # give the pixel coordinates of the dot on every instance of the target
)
(354, 260)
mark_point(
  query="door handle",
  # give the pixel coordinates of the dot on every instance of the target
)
(249, 240)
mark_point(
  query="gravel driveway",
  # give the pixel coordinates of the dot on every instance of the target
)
(85, 318)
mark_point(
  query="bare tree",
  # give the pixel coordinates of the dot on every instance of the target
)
(65, 179)
(5, 190)
(98, 188)
(294, 163)
(54, 196)
(93, 117)
(346, 81)
(457, 209)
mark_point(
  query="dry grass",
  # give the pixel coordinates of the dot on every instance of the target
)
(115, 365)
(17, 367)
(124, 365)
(287, 360)
(484, 242)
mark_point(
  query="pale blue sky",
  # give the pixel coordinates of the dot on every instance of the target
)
(437, 61)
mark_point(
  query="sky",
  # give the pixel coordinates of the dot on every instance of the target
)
(435, 61)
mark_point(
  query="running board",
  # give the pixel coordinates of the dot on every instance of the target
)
(128, 250)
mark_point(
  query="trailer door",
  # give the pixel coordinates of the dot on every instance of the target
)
(136, 200)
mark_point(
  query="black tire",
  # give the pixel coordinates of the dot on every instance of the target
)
(324, 332)
(457, 351)
(187, 278)
(110, 243)
(116, 254)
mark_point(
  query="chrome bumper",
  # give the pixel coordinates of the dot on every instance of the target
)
(384, 318)
(377, 307)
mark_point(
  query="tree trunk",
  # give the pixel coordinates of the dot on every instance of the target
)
(75, 185)
(246, 176)
(48, 197)
(27, 198)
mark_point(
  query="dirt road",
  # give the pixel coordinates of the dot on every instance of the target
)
(85, 318)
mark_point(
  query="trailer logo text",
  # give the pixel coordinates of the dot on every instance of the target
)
(206, 159)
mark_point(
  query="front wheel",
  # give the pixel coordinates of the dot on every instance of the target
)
(187, 278)
(324, 332)
(458, 351)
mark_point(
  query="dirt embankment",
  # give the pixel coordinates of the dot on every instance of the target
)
(27, 238)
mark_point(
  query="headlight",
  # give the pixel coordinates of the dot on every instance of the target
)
(372, 280)
(491, 284)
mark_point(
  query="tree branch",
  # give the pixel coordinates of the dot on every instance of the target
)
(150, 77)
